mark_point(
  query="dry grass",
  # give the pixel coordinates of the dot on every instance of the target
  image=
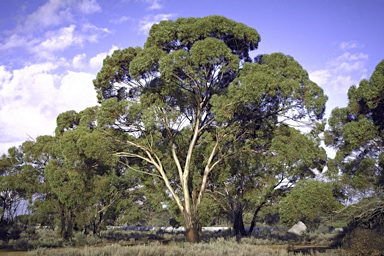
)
(119, 242)
(218, 247)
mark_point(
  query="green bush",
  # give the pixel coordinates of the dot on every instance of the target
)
(14, 232)
(30, 231)
(3, 233)
(80, 238)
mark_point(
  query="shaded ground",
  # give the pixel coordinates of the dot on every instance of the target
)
(13, 253)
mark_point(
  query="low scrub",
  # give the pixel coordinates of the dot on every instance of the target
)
(362, 241)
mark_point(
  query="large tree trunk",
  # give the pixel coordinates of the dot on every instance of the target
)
(254, 218)
(70, 224)
(238, 223)
(66, 221)
(63, 232)
(192, 227)
(96, 224)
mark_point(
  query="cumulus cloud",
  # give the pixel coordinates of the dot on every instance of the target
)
(32, 97)
(97, 62)
(342, 71)
(50, 74)
(55, 26)
(5, 76)
(147, 22)
(320, 77)
(348, 62)
(76, 92)
(59, 40)
(78, 61)
(24, 96)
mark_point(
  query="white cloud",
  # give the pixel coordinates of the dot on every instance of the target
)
(154, 4)
(54, 26)
(32, 97)
(332, 81)
(78, 61)
(5, 76)
(91, 33)
(89, 6)
(25, 97)
(59, 40)
(147, 22)
(349, 45)
(121, 20)
(52, 13)
(348, 62)
(340, 73)
(13, 41)
(320, 77)
(76, 92)
(97, 62)
(340, 84)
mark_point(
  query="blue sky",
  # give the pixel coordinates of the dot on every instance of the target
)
(50, 51)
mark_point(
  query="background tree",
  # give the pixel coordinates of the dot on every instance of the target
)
(260, 179)
(310, 201)
(78, 179)
(191, 98)
(12, 191)
(356, 131)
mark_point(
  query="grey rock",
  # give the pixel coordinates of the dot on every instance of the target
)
(298, 229)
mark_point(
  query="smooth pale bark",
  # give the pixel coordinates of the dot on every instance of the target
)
(189, 205)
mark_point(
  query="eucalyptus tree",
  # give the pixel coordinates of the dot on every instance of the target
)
(192, 97)
(255, 180)
(75, 178)
(356, 131)
(81, 175)
(12, 191)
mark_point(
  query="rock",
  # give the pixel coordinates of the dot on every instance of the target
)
(298, 229)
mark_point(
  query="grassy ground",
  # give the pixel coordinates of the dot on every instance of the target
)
(119, 243)
(217, 247)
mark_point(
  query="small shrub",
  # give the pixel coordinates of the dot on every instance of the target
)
(3, 233)
(93, 240)
(80, 239)
(30, 231)
(20, 244)
(14, 232)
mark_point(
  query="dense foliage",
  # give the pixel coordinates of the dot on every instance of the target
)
(311, 201)
(356, 131)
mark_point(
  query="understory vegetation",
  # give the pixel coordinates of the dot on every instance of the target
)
(119, 242)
